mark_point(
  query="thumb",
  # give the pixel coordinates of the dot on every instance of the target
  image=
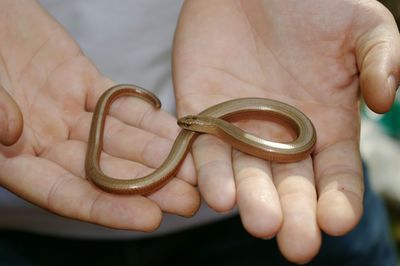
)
(10, 119)
(378, 59)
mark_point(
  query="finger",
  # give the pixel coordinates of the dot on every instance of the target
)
(257, 198)
(176, 197)
(378, 58)
(299, 238)
(340, 187)
(131, 143)
(65, 194)
(213, 163)
(10, 119)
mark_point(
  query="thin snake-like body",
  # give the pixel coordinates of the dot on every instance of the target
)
(211, 120)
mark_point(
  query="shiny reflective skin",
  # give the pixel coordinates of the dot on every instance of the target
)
(212, 121)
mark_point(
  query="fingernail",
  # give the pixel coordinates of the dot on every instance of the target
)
(393, 84)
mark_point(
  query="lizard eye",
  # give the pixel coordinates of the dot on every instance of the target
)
(185, 122)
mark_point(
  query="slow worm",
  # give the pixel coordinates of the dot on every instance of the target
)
(212, 121)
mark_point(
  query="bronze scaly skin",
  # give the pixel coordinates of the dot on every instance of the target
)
(211, 121)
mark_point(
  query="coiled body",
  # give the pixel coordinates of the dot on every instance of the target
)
(205, 122)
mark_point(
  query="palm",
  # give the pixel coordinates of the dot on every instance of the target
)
(305, 56)
(56, 88)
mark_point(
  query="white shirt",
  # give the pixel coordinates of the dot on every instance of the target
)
(129, 41)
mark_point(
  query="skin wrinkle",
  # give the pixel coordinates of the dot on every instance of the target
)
(145, 115)
(90, 100)
(60, 181)
(254, 42)
(302, 167)
(332, 170)
(255, 33)
(76, 124)
(36, 147)
(119, 103)
(289, 73)
(348, 35)
(342, 189)
(235, 78)
(40, 146)
(251, 176)
(307, 193)
(146, 149)
(30, 60)
(91, 215)
(296, 194)
(366, 53)
(81, 172)
(325, 184)
(349, 63)
(53, 36)
(112, 129)
(321, 148)
(212, 163)
(45, 82)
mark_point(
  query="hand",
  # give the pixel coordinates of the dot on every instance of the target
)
(44, 72)
(311, 54)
